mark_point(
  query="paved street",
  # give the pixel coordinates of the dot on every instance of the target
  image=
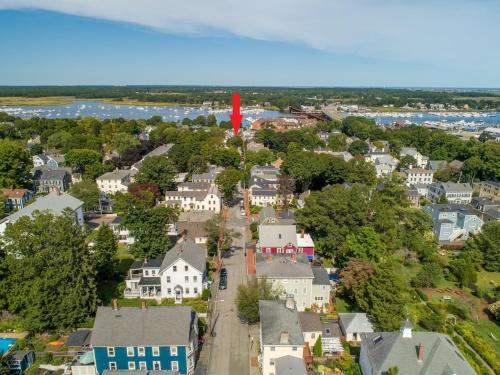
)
(231, 342)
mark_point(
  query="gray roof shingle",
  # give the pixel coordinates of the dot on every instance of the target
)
(131, 326)
(276, 318)
(355, 323)
(289, 365)
(277, 235)
(389, 349)
(187, 251)
(281, 266)
(53, 202)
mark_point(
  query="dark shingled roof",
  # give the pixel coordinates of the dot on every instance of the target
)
(132, 326)
(320, 276)
(150, 281)
(188, 251)
(276, 318)
(79, 338)
(310, 322)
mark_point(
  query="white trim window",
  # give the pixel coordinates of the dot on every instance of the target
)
(173, 350)
(142, 365)
(156, 351)
(112, 366)
(130, 351)
(175, 366)
(156, 365)
(140, 351)
(111, 351)
(131, 365)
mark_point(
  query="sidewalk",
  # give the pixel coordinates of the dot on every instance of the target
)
(253, 360)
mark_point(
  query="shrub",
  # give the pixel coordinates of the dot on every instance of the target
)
(318, 348)
(482, 347)
(206, 294)
(460, 311)
(494, 310)
(421, 294)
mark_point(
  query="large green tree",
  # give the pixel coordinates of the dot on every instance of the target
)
(147, 224)
(248, 297)
(104, 252)
(227, 182)
(383, 297)
(123, 141)
(50, 278)
(15, 165)
(158, 170)
(87, 192)
(80, 159)
(488, 244)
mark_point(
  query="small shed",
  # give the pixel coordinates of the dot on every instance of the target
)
(20, 361)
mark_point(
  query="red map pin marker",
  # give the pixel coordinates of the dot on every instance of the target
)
(236, 117)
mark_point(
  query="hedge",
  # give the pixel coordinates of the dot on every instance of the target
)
(471, 357)
(421, 294)
(482, 347)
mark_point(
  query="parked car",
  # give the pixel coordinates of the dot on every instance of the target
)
(223, 272)
(223, 283)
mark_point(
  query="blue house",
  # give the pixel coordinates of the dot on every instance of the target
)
(20, 361)
(161, 339)
(454, 222)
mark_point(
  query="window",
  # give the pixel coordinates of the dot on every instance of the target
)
(195, 290)
(111, 351)
(112, 366)
(173, 350)
(131, 365)
(186, 279)
(130, 351)
(140, 351)
(142, 365)
(175, 366)
(146, 273)
(174, 268)
(294, 348)
(156, 351)
(313, 335)
(271, 362)
(168, 278)
(186, 268)
(187, 290)
(156, 365)
(169, 291)
(273, 348)
(195, 278)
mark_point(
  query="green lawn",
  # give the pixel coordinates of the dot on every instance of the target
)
(342, 305)
(483, 329)
(488, 280)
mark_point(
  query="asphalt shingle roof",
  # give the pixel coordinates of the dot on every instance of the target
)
(289, 365)
(276, 318)
(320, 276)
(131, 326)
(389, 349)
(310, 322)
(355, 323)
(187, 251)
(277, 235)
(281, 266)
(53, 202)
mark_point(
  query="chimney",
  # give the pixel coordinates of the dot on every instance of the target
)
(144, 305)
(114, 304)
(269, 259)
(302, 233)
(420, 352)
(284, 336)
(290, 303)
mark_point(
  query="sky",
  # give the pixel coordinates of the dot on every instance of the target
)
(393, 43)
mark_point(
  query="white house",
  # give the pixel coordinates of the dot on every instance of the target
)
(44, 159)
(195, 200)
(114, 182)
(419, 158)
(419, 176)
(457, 193)
(311, 326)
(353, 325)
(385, 163)
(180, 273)
(54, 202)
(280, 333)
(295, 278)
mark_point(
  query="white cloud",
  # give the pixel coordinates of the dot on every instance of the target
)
(455, 33)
